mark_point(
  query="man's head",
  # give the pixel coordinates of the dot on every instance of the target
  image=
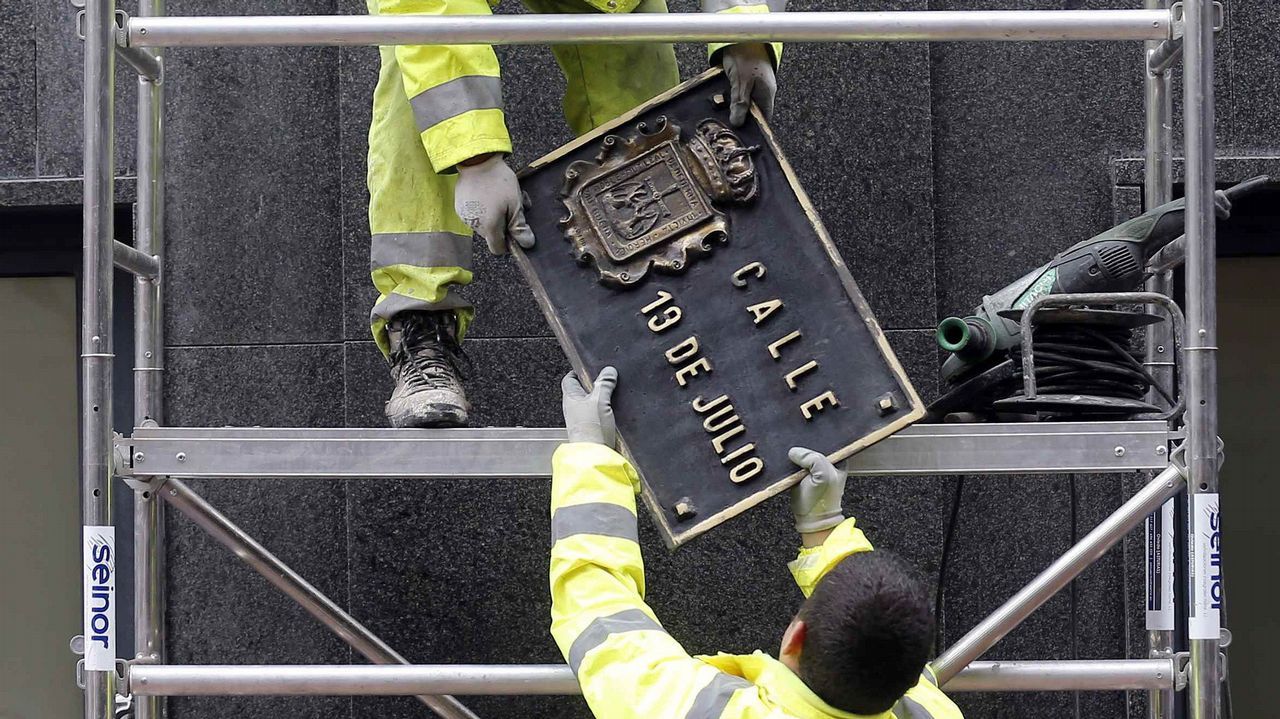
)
(863, 637)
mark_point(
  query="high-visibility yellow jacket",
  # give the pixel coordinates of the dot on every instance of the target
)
(629, 668)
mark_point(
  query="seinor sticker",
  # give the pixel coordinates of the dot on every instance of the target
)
(99, 598)
(1160, 574)
(1206, 568)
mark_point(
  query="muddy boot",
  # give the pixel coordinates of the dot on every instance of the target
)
(425, 362)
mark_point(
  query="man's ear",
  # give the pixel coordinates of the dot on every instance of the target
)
(793, 641)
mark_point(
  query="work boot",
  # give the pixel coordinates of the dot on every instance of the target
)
(425, 362)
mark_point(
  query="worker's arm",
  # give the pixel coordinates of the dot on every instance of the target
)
(817, 505)
(751, 67)
(628, 666)
(454, 90)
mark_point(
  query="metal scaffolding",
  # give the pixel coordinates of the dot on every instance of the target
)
(155, 458)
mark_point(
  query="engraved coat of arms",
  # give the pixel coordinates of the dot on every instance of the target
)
(653, 199)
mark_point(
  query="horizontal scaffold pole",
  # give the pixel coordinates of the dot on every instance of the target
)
(530, 679)
(894, 26)
(133, 260)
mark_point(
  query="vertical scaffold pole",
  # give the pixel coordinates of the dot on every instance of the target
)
(1157, 190)
(95, 362)
(1202, 392)
(148, 366)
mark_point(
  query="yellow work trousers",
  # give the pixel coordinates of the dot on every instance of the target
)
(435, 106)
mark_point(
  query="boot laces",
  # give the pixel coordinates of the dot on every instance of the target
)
(428, 356)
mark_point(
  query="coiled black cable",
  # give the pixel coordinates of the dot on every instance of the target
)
(1087, 359)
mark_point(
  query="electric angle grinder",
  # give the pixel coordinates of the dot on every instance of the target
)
(1084, 357)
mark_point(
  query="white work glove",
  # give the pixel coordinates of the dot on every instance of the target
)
(816, 501)
(589, 417)
(487, 198)
(750, 70)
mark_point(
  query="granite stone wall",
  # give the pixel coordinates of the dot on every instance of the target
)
(942, 171)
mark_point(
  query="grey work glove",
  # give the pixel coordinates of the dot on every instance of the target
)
(588, 417)
(816, 501)
(487, 198)
(751, 77)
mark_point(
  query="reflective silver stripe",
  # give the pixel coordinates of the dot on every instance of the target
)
(450, 99)
(394, 304)
(601, 518)
(714, 697)
(928, 675)
(722, 5)
(627, 620)
(420, 249)
(908, 708)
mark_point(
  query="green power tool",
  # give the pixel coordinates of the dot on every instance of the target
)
(1113, 261)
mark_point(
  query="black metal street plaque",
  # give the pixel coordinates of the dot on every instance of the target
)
(684, 252)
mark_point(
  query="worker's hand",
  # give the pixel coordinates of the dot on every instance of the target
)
(487, 198)
(588, 417)
(751, 77)
(816, 501)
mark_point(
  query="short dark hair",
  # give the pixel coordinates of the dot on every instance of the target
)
(868, 630)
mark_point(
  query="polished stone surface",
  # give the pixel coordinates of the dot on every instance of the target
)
(1253, 71)
(918, 352)
(1129, 170)
(260, 385)
(57, 192)
(253, 223)
(18, 88)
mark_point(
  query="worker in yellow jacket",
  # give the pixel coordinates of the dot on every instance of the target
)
(437, 173)
(857, 647)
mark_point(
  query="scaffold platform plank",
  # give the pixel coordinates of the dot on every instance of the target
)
(517, 452)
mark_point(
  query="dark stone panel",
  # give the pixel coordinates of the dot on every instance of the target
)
(358, 73)
(57, 192)
(1099, 595)
(1252, 71)
(855, 122)
(1128, 170)
(445, 578)
(1127, 200)
(269, 386)
(512, 383)
(18, 88)
(219, 610)
(1023, 137)
(1008, 529)
(253, 221)
(918, 352)
(58, 106)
